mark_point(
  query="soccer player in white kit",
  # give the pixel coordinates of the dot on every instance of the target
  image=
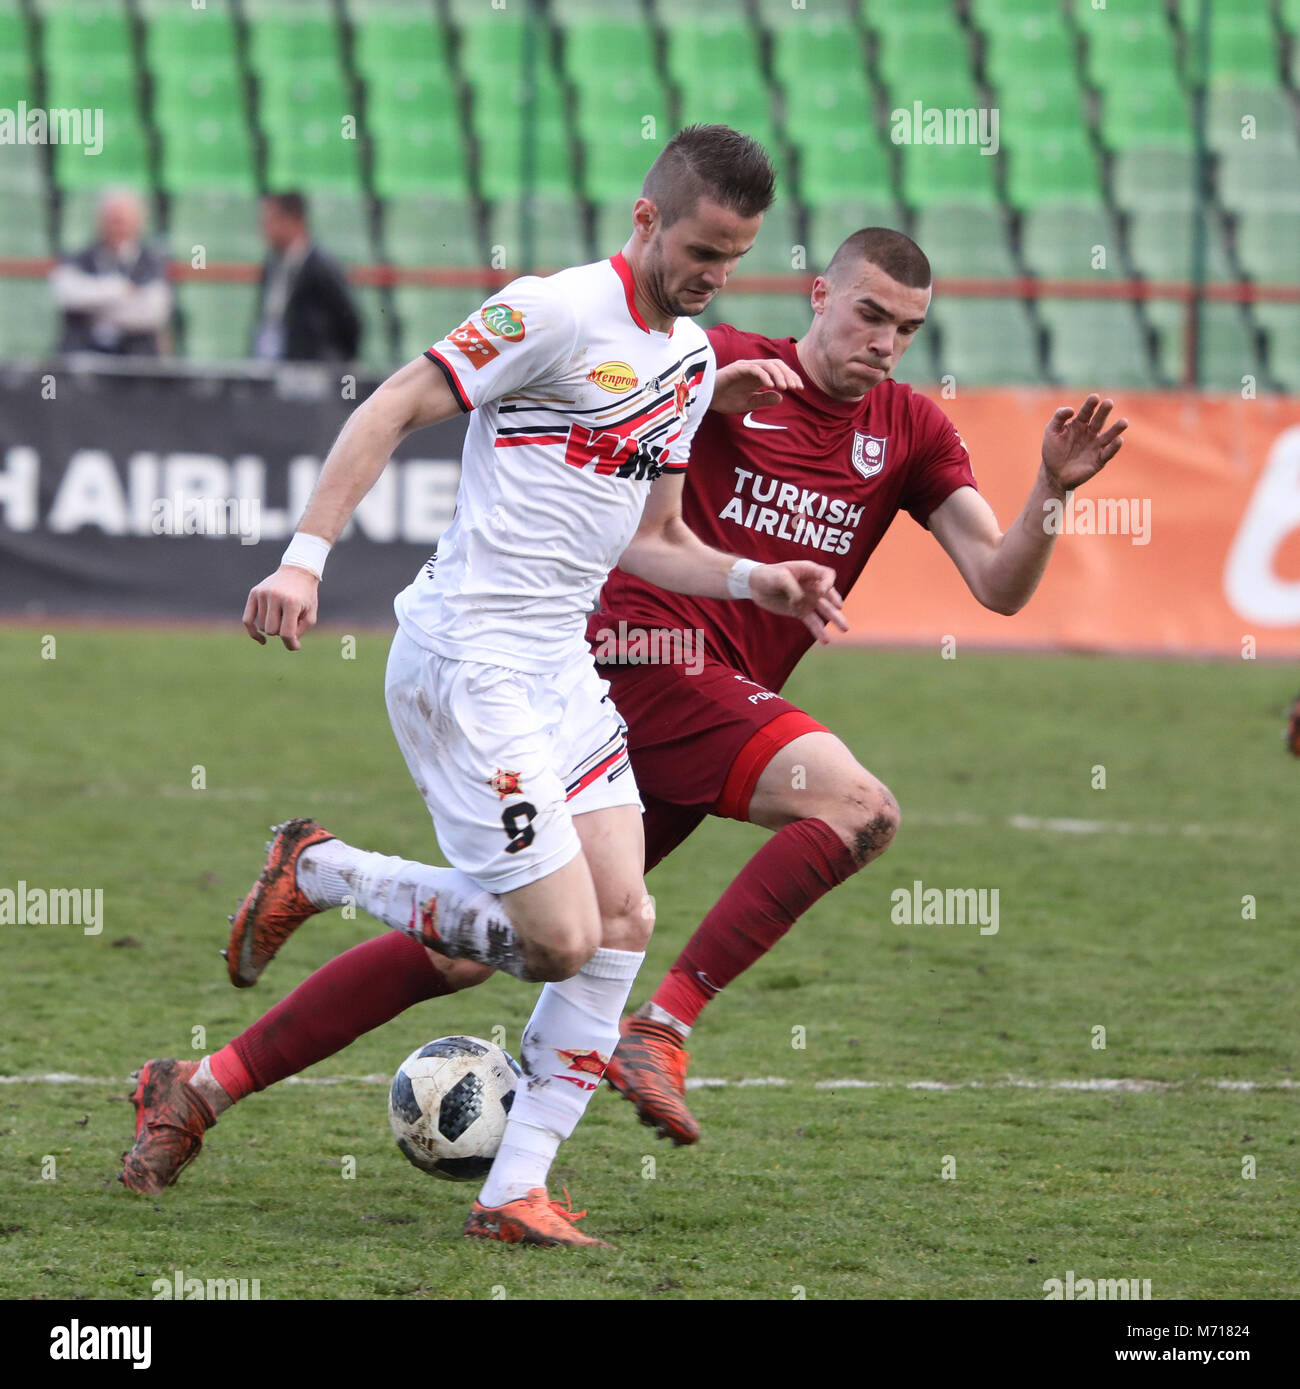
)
(585, 388)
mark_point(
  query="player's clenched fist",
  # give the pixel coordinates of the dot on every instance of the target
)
(282, 606)
(799, 588)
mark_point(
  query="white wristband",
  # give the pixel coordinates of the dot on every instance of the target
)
(307, 552)
(738, 577)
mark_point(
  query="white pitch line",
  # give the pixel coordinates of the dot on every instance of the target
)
(1100, 1084)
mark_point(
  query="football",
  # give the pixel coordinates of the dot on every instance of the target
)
(448, 1103)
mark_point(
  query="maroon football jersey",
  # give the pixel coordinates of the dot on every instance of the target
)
(811, 478)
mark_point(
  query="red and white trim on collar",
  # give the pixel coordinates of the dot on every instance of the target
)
(624, 272)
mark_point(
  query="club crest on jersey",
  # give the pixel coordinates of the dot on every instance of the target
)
(868, 453)
(505, 783)
(616, 377)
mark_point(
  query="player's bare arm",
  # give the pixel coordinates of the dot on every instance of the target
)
(666, 552)
(1002, 569)
(752, 385)
(284, 604)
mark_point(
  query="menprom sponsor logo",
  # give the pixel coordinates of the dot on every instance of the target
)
(615, 377)
(55, 125)
(1072, 1289)
(77, 1342)
(53, 906)
(179, 1288)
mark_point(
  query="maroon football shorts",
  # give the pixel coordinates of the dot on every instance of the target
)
(698, 741)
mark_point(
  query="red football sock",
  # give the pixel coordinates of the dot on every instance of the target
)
(356, 992)
(797, 866)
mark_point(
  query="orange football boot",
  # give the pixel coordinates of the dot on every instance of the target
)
(649, 1068)
(532, 1219)
(275, 908)
(170, 1120)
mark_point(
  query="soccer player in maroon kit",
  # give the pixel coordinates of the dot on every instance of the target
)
(828, 454)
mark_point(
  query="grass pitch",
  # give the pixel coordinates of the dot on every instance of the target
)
(1155, 908)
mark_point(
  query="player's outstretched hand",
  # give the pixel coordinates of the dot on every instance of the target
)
(744, 386)
(1077, 445)
(799, 588)
(282, 606)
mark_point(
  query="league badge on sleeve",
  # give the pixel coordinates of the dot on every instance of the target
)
(868, 453)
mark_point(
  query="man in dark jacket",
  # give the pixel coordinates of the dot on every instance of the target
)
(305, 309)
(113, 295)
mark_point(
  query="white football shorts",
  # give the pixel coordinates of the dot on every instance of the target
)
(504, 759)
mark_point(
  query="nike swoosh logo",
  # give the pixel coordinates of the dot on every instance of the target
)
(754, 424)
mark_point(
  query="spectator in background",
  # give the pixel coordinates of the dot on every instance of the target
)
(305, 311)
(114, 295)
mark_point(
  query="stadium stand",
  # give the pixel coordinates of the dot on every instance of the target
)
(446, 135)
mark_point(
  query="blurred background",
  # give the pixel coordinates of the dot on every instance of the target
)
(1134, 230)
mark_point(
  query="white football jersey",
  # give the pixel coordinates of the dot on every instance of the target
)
(577, 407)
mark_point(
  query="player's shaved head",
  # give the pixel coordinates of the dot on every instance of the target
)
(713, 162)
(897, 255)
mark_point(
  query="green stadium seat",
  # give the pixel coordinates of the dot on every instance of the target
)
(1096, 344)
(17, 79)
(1247, 13)
(814, 111)
(109, 86)
(543, 103)
(28, 320)
(285, 36)
(1057, 242)
(820, 49)
(559, 235)
(426, 316)
(1038, 43)
(291, 98)
(1160, 246)
(924, 58)
(615, 106)
(492, 51)
(778, 244)
(341, 221)
(501, 163)
(1268, 248)
(313, 158)
(994, 15)
(1039, 107)
(848, 163)
(92, 31)
(226, 225)
(1057, 170)
(378, 349)
(829, 224)
(206, 90)
(1228, 349)
(1153, 178)
(23, 230)
(210, 153)
(963, 241)
(710, 42)
(421, 158)
(1281, 328)
(1151, 113)
(773, 315)
(418, 97)
(1289, 16)
(432, 230)
(742, 102)
(1128, 49)
(613, 225)
(1240, 55)
(15, 35)
(605, 47)
(578, 14)
(1237, 116)
(216, 320)
(985, 342)
(947, 174)
(183, 36)
(123, 159)
(390, 38)
(614, 165)
(934, 17)
(1252, 179)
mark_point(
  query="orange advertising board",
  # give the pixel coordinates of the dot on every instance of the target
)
(1187, 542)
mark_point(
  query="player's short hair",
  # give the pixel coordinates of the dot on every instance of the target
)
(290, 202)
(710, 161)
(897, 255)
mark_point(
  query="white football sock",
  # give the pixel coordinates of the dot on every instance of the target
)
(567, 1044)
(209, 1087)
(470, 924)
